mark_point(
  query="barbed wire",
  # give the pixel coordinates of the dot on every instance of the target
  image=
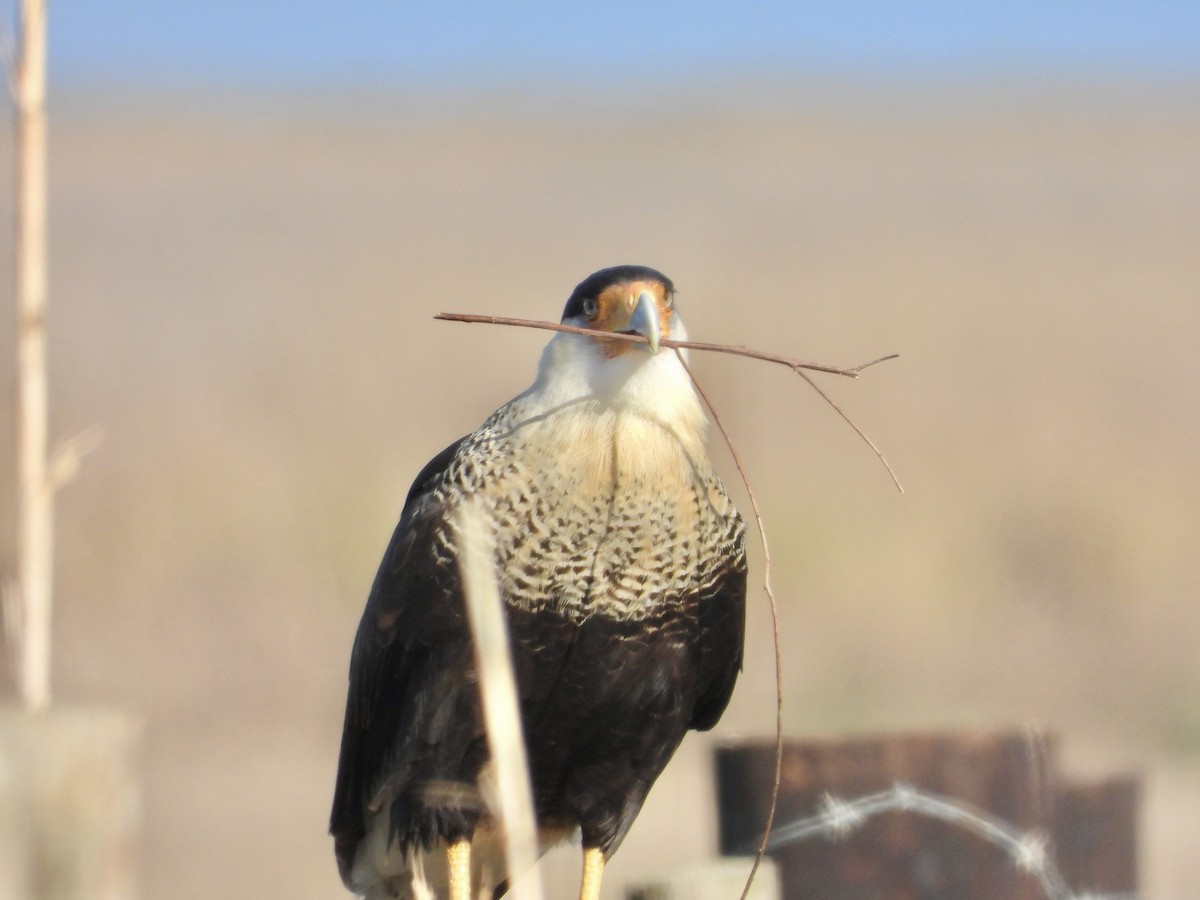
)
(1028, 850)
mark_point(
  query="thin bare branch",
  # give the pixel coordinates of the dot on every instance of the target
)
(770, 592)
(875, 362)
(862, 434)
(795, 365)
(788, 361)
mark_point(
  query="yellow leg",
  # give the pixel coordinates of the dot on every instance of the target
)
(593, 868)
(458, 859)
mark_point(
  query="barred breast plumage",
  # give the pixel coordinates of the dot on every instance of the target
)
(606, 515)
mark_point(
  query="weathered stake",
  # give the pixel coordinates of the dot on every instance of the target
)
(70, 805)
(29, 602)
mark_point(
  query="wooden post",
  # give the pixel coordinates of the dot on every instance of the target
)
(69, 799)
(69, 805)
(28, 606)
(1012, 777)
(1095, 835)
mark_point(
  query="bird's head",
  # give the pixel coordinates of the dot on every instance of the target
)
(628, 374)
(624, 300)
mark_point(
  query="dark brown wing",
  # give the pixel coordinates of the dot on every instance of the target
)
(722, 612)
(394, 663)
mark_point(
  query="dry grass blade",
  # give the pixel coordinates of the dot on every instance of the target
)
(770, 592)
(497, 687)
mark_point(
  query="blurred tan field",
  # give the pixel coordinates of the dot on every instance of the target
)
(242, 293)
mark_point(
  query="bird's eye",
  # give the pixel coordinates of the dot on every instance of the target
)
(669, 300)
(591, 306)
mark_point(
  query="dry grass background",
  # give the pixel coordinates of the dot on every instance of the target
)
(241, 297)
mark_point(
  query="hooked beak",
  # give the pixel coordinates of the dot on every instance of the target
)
(644, 320)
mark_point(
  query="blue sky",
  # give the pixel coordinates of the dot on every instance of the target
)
(221, 42)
